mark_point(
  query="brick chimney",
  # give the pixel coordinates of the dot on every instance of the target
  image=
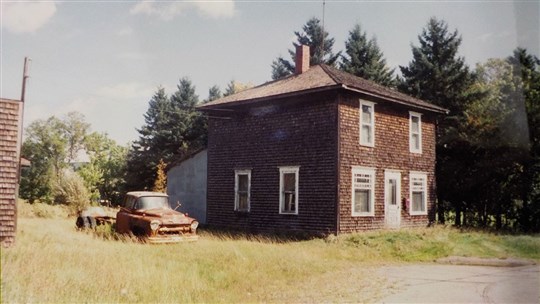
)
(302, 59)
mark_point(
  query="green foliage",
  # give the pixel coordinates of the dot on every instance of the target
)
(436, 73)
(365, 59)
(320, 46)
(173, 128)
(70, 190)
(214, 93)
(106, 172)
(45, 146)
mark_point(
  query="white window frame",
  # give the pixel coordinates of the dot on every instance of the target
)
(371, 125)
(371, 173)
(413, 176)
(282, 172)
(412, 148)
(236, 194)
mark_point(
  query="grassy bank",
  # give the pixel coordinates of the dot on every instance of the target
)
(52, 262)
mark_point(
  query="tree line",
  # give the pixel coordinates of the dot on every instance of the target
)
(488, 146)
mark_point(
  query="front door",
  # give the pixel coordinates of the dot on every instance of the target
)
(392, 194)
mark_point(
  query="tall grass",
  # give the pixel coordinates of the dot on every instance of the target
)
(53, 262)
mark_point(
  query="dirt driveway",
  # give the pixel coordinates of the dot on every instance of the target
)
(435, 283)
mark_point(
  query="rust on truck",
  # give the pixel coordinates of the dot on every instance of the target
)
(94, 216)
(148, 215)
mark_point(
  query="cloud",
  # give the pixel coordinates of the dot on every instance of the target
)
(168, 11)
(494, 36)
(26, 17)
(126, 31)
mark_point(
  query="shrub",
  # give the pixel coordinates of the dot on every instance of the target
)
(71, 191)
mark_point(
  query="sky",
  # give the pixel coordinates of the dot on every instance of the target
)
(105, 59)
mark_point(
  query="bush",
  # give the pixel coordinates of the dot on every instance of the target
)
(71, 191)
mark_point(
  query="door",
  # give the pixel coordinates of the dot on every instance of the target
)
(392, 195)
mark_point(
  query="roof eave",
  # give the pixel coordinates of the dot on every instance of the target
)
(226, 105)
(405, 103)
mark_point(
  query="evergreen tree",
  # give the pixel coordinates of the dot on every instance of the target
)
(214, 93)
(320, 49)
(172, 129)
(365, 59)
(527, 69)
(436, 73)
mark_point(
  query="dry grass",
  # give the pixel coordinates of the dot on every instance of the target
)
(53, 262)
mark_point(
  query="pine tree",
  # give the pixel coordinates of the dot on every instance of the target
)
(319, 44)
(365, 59)
(436, 73)
(214, 93)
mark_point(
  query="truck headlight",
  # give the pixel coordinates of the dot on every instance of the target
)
(154, 225)
(194, 226)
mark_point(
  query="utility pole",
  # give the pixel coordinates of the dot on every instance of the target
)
(322, 34)
(21, 114)
(25, 77)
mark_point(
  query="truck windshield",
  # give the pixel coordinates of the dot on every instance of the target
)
(152, 202)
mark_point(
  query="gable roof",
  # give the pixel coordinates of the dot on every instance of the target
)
(318, 78)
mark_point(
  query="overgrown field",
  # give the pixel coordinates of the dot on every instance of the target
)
(53, 262)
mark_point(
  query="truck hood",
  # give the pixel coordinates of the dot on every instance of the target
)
(168, 216)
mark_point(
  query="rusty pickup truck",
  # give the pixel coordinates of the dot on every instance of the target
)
(149, 216)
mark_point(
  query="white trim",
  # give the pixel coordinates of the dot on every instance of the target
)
(371, 125)
(236, 197)
(370, 186)
(412, 148)
(388, 174)
(282, 171)
(422, 178)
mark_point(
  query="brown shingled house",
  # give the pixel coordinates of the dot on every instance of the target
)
(10, 143)
(320, 151)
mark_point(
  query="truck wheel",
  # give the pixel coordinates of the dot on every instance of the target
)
(92, 222)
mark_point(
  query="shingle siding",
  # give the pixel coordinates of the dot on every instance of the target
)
(9, 168)
(391, 152)
(262, 139)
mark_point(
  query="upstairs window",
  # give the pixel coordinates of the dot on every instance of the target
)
(363, 194)
(242, 187)
(288, 190)
(418, 188)
(367, 123)
(415, 132)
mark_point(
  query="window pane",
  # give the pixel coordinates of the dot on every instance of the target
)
(289, 202)
(418, 201)
(415, 124)
(242, 201)
(242, 182)
(366, 134)
(366, 114)
(361, 200)
(416, 141)
(392, 197)
(289, 182)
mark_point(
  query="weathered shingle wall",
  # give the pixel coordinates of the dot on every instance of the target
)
(263, 139)
(391, 152)
(9, 166)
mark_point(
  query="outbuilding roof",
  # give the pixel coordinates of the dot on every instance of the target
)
(318, 78)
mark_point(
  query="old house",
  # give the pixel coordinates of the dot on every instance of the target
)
(10, 143)
(321, 151)
(186, 185)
